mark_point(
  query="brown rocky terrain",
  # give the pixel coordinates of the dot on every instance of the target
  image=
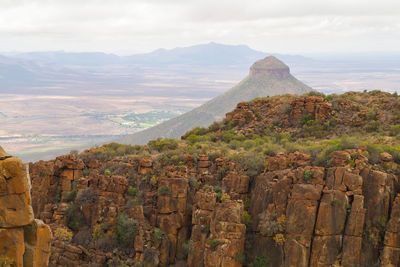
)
(24, 241)
(296, 181)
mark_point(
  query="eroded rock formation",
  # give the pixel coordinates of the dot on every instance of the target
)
(191, 203)
(24, 241)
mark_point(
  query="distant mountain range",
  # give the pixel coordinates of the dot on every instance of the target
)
(97, 73)
(267, 77)
(207, 54)
(203, 54)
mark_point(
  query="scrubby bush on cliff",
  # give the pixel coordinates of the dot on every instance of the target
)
(132, 191)
(170, 157)
(158, 234)
(374, 126)
(395, 130)
(125, 229)
(307, 176)
(246, 219)
(6, 262)
(85, 172)
(97, 232)
(374, 153)
(71, 218)
(160, 144)
(164, 191)
(252, 162)
(86, 196)
(72, 194)
(214, 244)
(260, 261)
(63, 234)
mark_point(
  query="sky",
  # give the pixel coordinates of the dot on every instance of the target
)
(131, 26)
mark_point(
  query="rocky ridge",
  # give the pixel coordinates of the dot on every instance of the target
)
(24, 241)
(223, 197)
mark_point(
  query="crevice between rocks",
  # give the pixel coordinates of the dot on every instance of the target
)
(315, 225)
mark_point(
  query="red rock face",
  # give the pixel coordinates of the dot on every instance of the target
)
(208, 211)
(24, 241)
(301, 215)
(333, 219)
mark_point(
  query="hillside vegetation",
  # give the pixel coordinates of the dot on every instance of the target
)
(310, 180)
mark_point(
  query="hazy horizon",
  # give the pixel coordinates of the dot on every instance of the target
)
(132, 27)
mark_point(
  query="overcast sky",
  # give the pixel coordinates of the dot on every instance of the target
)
(131, 26)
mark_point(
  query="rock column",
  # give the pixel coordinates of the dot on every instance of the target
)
(24, 241)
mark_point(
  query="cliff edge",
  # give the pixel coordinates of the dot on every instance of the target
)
(24, 241)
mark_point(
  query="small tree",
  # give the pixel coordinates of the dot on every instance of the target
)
(125, 229)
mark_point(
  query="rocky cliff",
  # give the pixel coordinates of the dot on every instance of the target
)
(296, 181)
(24, 241)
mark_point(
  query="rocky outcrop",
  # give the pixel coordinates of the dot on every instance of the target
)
(269, 67)
(315, 216)
(235, 194)
(24, 241)
(195, 215)
(391, 251)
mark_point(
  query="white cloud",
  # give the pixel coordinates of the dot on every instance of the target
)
(297, 26)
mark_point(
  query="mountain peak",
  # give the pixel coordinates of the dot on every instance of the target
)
(269, 66)
(3, 154)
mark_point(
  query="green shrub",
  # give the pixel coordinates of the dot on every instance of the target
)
(71, 218)
(187, 248)
(107, 172)
(6, 262)
(163, 191)
(214, 243)
(86, 172)
(214, 127)
(163, 144)
(158, 234)
(125, 230)
(374, 153)
(315, 93)
(246, 219)
(314, 128)
(248, 144)
(271, 149)
(395, 130)
(307, 175)
(193, 138)
(228, 136)
(57, 199)
(221, 173)
(252, 163)
(371, 115)
(261, 261)
(193, 182)
(373, 126)
(132, 191)
(307, 119)
(72, 194)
